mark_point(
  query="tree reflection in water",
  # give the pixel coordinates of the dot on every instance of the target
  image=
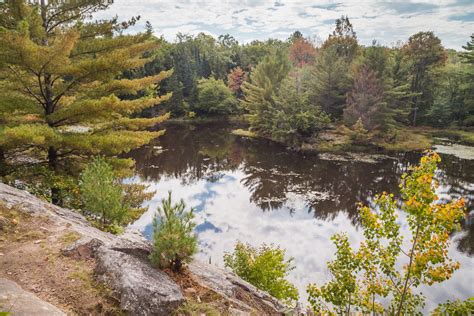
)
(275, 177)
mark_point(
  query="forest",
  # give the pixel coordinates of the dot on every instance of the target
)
(82, 98)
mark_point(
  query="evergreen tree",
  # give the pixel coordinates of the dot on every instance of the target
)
(62, 96)
(294, 117)
(366, 101)
(329, 82)
(259, 92)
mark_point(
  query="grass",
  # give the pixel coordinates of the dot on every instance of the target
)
(69, 238)
(193, 308)
(407, 140)
(244, 133)
(463, 137)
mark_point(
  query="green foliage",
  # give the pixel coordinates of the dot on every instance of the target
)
(329, 82)
(264, 267)
(293, 116)
(104, 195)
(101, 192)
(361, 277)
(174, 242)
(214, 97)
(424, 52)
(63, 97)
(455, 308)
(259, 93)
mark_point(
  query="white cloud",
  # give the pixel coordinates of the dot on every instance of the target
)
(387, 22)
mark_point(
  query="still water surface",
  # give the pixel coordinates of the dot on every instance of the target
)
(255, 191)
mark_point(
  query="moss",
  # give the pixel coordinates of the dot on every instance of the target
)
(406, 140)
(463, 137)
(244, 133)
(69, 238)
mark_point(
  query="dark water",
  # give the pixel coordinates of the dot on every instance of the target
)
(256, 191)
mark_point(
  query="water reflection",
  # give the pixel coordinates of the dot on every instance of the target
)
(257, 191)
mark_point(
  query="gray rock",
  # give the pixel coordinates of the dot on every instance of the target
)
(19, 302)
(141, 289)
(122, 263)
(230, 286)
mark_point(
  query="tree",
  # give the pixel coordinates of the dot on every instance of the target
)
(329, 82)
(174, 242)
(214, 97)
(259, 92)
(235, 80)
(266, 268)
(294, 118)
(449, 96)
(468, 59)
(62, 74)
(391, 72)
(372, 272)
(343, 39)
(105, 196)
(424, 52)
(366, 101)
(302, 52)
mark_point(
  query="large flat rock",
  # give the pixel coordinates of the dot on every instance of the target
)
(141, 289)
(19, 302)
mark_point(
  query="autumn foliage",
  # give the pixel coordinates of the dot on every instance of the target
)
(302, 52)
(362, 278)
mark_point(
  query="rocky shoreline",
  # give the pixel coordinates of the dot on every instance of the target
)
(114, 269)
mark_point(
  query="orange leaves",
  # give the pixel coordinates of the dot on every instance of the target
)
(302, 52)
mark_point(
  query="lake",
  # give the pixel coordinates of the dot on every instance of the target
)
(258, 192)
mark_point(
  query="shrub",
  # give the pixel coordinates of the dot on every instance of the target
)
(266, 268)
(173, 238)
(455, 308)
(214, 97)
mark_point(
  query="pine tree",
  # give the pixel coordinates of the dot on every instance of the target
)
(294, 118)
(62, 97)
(259, 93)
(366, 101)
(329, 82)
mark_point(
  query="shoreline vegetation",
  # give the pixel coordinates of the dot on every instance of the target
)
(410, 139)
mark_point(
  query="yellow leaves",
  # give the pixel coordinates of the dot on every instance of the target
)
(28, 134)
(126, 86)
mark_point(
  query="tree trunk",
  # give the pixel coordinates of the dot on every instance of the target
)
(53, 165)
(2, 161)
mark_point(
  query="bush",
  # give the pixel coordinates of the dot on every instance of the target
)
(173, 238)
(214, 97)
(266, 268)
(456, 308)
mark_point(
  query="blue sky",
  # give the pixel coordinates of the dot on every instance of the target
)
(384, 21)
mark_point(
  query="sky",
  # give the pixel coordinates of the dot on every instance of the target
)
(247, 20)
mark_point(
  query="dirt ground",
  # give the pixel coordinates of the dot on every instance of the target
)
(30, 255)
